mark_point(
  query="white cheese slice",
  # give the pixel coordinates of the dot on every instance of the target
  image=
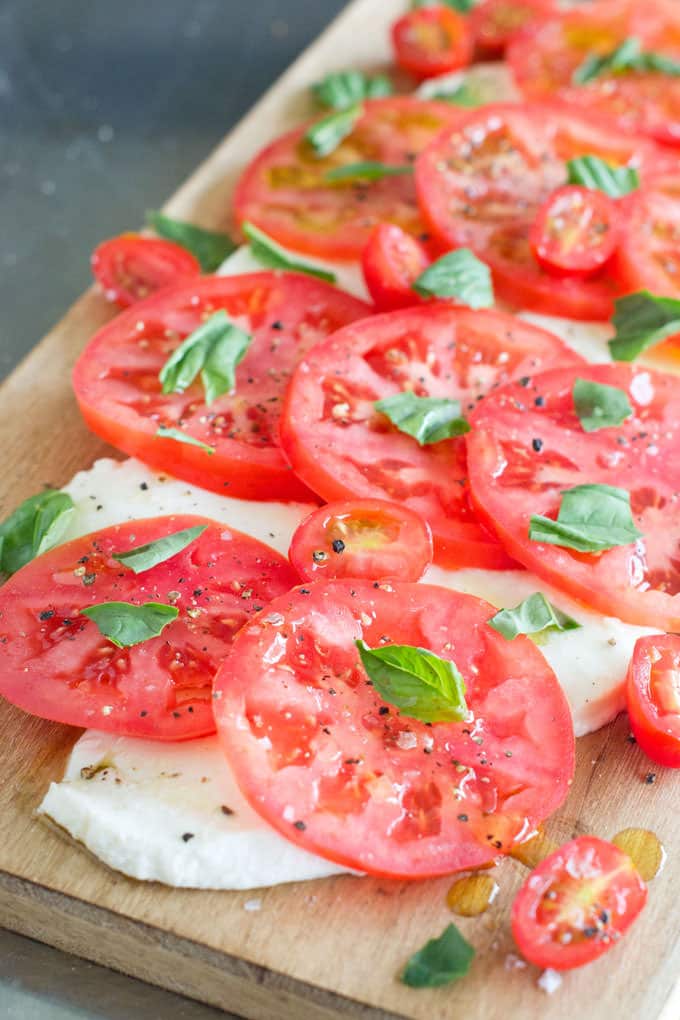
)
(349, 276)
(486, 82)
(589, 339)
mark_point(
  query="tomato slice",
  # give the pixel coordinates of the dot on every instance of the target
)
(577, 904)
(340, 446)
(432, 40)
(392, 261)
(495, 22)
(58, 665)
(339, 772)
(575, 232)
(527, 446)
(369, 538)
(119, 393)
(653, 696)
(647, 257)
(130, 267)
(284, 191)
(482, 183)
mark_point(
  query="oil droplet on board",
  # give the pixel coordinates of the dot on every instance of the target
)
(534, 850)
(644, 849)
(472, 895)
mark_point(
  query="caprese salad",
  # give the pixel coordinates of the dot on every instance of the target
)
(401, 512)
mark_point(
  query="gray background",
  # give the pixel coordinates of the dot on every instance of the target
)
(104, 108)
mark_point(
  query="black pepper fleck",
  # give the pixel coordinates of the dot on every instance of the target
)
(338, 545)
(537, 445)
(47, 615)
(300, 826)
(186, 836)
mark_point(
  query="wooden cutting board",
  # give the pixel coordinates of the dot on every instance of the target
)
(331, 948)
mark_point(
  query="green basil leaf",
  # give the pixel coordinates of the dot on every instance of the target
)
(418, 682)
(208, 246)
(326, 134)
(341, 89)
(598, 406)
(35, 526)
(440, 961)
(464, 94)
(532, 616)
(642, 320)
(460, 275)
(628, 56)
(144, 557)
(462, 6)
(214, 350)
(427, 419)
(591, 518)
(273, 256)
(592, 172)
(125, 624)
(367, 171)
(164, 432)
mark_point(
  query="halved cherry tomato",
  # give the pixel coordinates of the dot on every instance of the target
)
(340, 772)
(432, 40)
(392, 261)
(575, 232)
(131, 267)
(56, 663)
(653, 696)
(495, 22)
(369, 538)
(117, 386)
(577, 904)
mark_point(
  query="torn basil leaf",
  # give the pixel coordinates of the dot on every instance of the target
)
(591, 518)
(532, 616)
(627, 56)
(35, 526)
(460, 275)
(208, 246)
(165, 432)
(642, 320)
(144, 557)
(273, 256)
(599, 406)
(367, 171)
(326, 134)
(592, 172)
(440, 961)
(125, 624)
(342, 89)
(462, 6)
(418, 682)
(427, 419)
(214, 350)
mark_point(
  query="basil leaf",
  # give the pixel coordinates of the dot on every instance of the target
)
(642, 320)
(209, 247)
(532, 616)
(341, 89)
(326, 134)
(460, 275)
(125, 624)
(427, 419)
(163, 432)
(144, 557)
(592, 172)
(628, 56)
(273, 256)
(440, 961)
(34, 527)
(462, 6)
(591, 518)
(214, 350)
(418, 682)
(462, 95)
(367, 171)
(599, 406)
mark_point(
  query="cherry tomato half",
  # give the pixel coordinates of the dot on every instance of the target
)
(369, 538)
(495, 22)
(392, 261)
(575, 231)
(130, 267)
(432, 40)
(653, 696)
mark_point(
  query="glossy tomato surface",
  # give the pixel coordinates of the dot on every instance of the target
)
(577, 904)
(432, 40)
(343, 774)
(129, 268)
(647, 257)
(342, 447)
(495, 22)
(391, 262)
(58, 665)
(120, 395)
(284, 191)
(575, 232)
(513, 477)
(653, 697)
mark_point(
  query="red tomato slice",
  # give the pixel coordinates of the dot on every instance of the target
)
(432, 40)
(647, 258)
(58, 665)
(285, 193)
(577, 904)
(130, 267)
(527, 446)
(339, 772)
(367, 538)
(119, 393)
(392, 261)
(495, 22)
(653, 696)
(342, 447)
(575, 232)
(481, 185)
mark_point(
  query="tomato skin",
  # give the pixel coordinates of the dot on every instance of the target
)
(432, 40)
(646, 258)
(588, 885)
(653, 697)
(57, 664)
(575, 232)
(131, 267)
(369, 538)
(495, 22)
(391, 262)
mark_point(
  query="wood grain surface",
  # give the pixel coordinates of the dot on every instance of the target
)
(325, 949)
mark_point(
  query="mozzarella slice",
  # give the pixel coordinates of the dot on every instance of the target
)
(348, 274)
(589, 339)
(488, 82)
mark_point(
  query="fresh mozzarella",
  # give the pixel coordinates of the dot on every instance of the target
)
(589, 339)
(348, 274)
(172, 813)
(487, 82)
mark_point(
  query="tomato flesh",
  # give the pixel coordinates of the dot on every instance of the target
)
(653, 697)
(392, 261)
(341, 773)
(495, 22)
(129, 268)
(58, 665)
(369, 538)
(575, 231)
(577, 904)
(432, 40)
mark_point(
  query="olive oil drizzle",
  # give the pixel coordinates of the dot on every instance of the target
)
(644, 849)
(472, 895)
